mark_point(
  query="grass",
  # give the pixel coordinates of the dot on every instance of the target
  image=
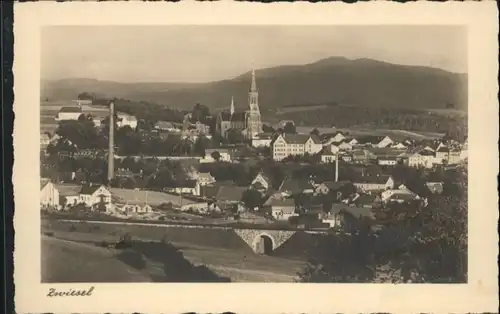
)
(67, 261)
(220, 251)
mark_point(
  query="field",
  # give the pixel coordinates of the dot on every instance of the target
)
(221, 251)
(49, 109)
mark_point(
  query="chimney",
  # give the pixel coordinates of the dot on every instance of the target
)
(111, 152)
(337, 168)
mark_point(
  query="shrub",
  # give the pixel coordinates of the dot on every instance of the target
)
(72, 228)
(49, 234)
(133, 259)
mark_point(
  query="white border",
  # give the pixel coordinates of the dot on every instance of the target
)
(479, 295)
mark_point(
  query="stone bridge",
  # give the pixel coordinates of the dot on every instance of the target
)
(264, 241)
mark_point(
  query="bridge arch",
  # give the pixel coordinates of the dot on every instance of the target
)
(263, 243)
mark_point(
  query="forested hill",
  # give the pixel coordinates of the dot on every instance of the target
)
(361, 82)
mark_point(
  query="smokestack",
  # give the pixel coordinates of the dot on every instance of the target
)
(111, 147)
(337, 167)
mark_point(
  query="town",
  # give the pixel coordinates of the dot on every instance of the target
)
(112, 160)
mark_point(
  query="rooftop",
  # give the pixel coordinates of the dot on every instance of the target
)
(71, 109)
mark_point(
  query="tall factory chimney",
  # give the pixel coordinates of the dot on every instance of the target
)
(337, 167)
(111, 147)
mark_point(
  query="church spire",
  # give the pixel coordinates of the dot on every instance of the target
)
(232, 105)
(253, 88)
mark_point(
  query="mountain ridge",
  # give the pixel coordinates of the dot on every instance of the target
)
(364, 82)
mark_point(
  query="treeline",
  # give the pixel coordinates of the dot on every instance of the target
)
(388, 118)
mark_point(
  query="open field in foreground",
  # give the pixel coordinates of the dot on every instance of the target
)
(222, 252)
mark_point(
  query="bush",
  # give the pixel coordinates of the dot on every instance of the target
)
(133, 259)
(72, 228)
(49, 234)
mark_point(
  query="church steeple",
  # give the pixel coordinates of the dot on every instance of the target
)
(253, 87)
(231, 109)
(254, 123)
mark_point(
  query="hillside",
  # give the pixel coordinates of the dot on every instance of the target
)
(361, 82)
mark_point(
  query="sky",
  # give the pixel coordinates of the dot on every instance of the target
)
(211, 53)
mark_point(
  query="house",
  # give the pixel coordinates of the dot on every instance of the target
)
(329, 153)
(69, 195)
(282, 209)
(346, 146)
(122, 173)
(225, 155)
(151, 198)
(435, 187)
(205, 178)
(69, 113)
(360, 156)
(290, 187)
(375, 141)
(261, 182)
(184, 187)
(262, 140)
(399, 146)
(387, 161)
(455, 156)
(340, 188)
(295, 145)
(49, 194)
(223, 123)
(166, 126)
(346, 157)
(442, 154)
(366, 200)
(125, 119)
(374, 183)
(423, 158)
(348, 217)
(400, 195)
(202, 128)
(93, 195)
(229, 198)
(134, 208)
(44, 141)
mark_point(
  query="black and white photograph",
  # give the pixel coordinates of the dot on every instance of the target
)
(309, 153)
(235, 154)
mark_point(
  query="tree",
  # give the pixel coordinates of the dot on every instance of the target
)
(414, 243)
(215, 155)
(85, 96)
(268, 129)
(235, 136)
(252, 198)
(289, 128)
(315, 131)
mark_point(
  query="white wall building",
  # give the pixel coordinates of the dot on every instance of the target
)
(49, 195)
(295, 145)
(69, 113)
(125, 119)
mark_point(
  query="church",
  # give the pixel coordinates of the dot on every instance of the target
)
(247, 122)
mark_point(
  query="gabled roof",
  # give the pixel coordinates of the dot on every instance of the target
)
(443, 149)
(366, 199)
(287, 202)
(164, 125)
(380, 179)
(68, 189)
(298, 138)
(357, 212)
(264, 176)
(332, 185)
(370, 139)
(294, 185)
(238, 116)
(225, 115)
(43, 182)
(327, 150)
(71, 109)
(230, 193)
(89, 189)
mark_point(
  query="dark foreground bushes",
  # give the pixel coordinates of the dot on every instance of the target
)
(176, 267)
